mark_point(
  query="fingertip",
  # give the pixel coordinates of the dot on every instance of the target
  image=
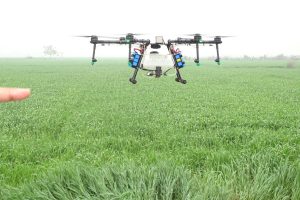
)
(20, 93)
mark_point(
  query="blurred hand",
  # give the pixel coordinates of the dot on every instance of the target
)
(13, 94)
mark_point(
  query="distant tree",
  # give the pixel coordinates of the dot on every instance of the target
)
(264, 57)
(50, 51)
(246, 57)
(280, 57)
(295, 57)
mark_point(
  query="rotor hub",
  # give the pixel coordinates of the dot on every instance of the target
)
(94, 39)
(129, 37)
(197, 37)
(218, 39)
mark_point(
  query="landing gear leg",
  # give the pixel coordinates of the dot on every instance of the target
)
(133, 78)
(158, 72)
(179, 78)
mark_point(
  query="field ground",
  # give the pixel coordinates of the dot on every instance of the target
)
(232, 132)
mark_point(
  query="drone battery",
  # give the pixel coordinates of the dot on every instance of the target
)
(178, 60)
(136, 58)
(178, 56)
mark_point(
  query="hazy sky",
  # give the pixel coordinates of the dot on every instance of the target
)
(261, 26)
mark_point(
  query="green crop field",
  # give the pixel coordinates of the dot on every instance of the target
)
(232, 132)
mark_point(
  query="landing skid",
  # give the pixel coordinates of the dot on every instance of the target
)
(179, 78)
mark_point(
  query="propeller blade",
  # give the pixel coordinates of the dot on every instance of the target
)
(109, 37)
(210, 36)
(84, 36)
(137, 34)
(194, 34)
(180, 38)
(221, 36)
(99, 36)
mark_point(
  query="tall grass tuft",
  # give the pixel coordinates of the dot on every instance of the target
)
(81, 182)
(256, 176)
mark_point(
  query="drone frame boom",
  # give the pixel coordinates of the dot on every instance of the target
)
(198, 40)
(130, 40)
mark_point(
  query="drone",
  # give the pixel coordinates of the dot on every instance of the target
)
(156, 58)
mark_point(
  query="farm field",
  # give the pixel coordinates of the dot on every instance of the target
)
(232, 132)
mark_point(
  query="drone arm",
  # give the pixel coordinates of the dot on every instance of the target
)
(181, 41)
(122, 41)
(147, 42)
(111, 42)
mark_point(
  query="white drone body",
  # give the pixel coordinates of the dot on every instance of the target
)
(154, 58)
